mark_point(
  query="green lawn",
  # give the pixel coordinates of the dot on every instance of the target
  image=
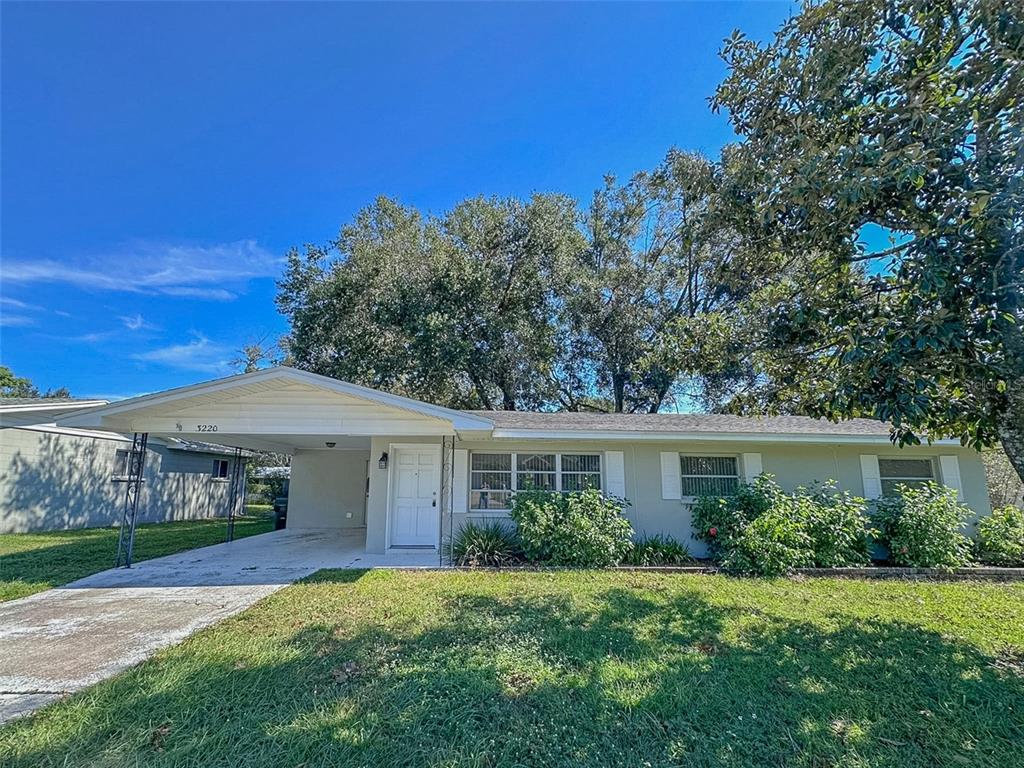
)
(32, 562)
(388, 668)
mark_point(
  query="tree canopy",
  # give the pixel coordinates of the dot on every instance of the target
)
(19, 386)
(902, 117)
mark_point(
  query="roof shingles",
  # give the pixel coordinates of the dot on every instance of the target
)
(681, 423)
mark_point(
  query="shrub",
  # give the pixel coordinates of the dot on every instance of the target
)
(490, 544)
(1001, 537)
(761, 529)
(838, 524)
(719, 521)
(658, 550)
(582, 528)
(773, 543)
(922, 527)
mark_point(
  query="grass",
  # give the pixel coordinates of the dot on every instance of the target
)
(33, 562)
(387, 668)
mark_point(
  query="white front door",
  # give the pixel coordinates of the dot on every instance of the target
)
(414, 503)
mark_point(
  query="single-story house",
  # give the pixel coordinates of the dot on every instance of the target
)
(408, 472)
(55, 477)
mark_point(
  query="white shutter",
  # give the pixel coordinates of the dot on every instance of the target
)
(460, 481)
(615, 473)
(950, 468)
(872, 476)
(671, 476)
(751, 466)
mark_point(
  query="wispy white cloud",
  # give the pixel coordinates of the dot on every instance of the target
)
(136, 322)
(11, 302)
(195, 271)
(200, 354)
(15, 321)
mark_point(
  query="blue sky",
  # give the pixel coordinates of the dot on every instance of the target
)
(159, 159)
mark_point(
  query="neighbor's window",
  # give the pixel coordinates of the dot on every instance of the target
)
(220, 469)
(709, 475)
(120, 463)
(911, 472)
(494, 476)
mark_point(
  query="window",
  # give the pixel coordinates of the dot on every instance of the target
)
(581, 471)
(709, 475)
(912, 472)
(490, 481)
(120, 463)
(535, 472)
(493, 477)
(220, 469)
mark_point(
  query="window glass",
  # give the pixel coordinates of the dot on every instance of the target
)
(490, 481)
(120, 463)
(581, 471)
(911, 472)
(535, 471)
(709, 475)
(220, 468)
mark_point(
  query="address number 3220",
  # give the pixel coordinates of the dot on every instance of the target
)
(206, 428)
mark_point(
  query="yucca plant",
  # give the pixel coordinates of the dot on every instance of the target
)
(491, 544)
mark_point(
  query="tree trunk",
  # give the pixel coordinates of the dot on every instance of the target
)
(619, 391)
(1011, 428)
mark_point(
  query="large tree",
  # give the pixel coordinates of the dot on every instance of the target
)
(457, 309)
(899, 117)
(658, 283)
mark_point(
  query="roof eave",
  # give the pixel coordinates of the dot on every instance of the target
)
(737, 437)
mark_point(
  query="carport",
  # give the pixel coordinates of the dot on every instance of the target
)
(364, 462)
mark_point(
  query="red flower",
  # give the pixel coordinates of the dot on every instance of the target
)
(712, 531)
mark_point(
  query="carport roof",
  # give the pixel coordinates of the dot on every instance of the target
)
(277, 409)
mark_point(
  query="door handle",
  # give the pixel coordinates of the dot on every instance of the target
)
(433, 503)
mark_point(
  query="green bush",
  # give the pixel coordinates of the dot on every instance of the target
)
(1001, 537)
(772, 544)
(582, 528)
(922, 527)
(658, 550)
(838, 524)
(490, 544)
(720, 521)
(762, 529)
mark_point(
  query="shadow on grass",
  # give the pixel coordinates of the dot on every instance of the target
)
(625, 678)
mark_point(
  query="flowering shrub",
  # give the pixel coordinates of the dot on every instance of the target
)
(763, 529)
(922, 527)
(1001, 537)
(583, 528)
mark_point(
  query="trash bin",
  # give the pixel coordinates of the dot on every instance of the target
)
(280, 512)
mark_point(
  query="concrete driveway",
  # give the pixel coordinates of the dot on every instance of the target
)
(62, 640)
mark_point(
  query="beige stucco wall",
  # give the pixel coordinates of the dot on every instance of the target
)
(327, 489)
(52, 481)
(793, 464)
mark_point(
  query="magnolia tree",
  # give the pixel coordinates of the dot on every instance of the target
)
(899, 119)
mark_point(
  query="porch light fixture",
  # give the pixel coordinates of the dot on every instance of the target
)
(382, 462)
(330, 443)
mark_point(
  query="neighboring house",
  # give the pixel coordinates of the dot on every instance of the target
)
(54, 477)
(409, 473)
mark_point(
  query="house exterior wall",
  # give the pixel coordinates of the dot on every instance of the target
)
(327, 489)
(793, 464)
(52, 481)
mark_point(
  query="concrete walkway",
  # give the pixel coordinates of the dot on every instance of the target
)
(62, 640)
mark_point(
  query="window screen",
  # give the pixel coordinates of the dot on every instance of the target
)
(709, 475)
(911, 472)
